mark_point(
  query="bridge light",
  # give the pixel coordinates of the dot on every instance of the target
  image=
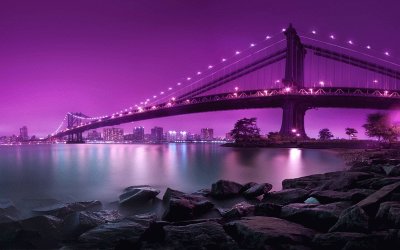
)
(198, 73)
(298, 135)
(311, 90)
(188, 78)
(235, 94)
(287, 89)
(210, 66)
(223, 60)
(332, 37)
(385, 92)
(173, 98)
(237, 52)
(252, 45)
(154, 96)
(267, 37)
(387, 53)
(375, 81)
(154, 107)
(162, 92)
(314, 32)
(187, 100)
(236, 88)
(277, 81)
(179, 84)
(322, 83)
(170, 88)
(294, 130)
(283, 30)
(350, 42)
(368, 47)
(266, 91)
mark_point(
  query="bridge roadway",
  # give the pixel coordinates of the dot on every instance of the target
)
(325, 97)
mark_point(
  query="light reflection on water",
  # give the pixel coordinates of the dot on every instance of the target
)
(101, 171)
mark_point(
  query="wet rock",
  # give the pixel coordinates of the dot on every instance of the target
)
(62, 210)
(312, 200)
(388, 215)
(371, 203)
(137, 194)
(238, 210)
(257, 190)
(6, 219)
(336, 240)
(286, 196)
(110, 234)
(353, 219)
(182, 206)
(79, 222)
(367, 168)
(267, 209)
(225, 189)
(205, 235)
(263, 232)
(247, 186)
(8, 208)
(377, 183)
(338, 181)
(8, 232)
(329, 196)
(319, 217)
(204, 192)
(47, 225)
(393, 171)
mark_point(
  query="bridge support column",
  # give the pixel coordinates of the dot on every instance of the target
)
(293, 120)
(75, 138)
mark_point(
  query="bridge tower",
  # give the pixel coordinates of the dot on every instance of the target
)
(72, 121)
(293, 111)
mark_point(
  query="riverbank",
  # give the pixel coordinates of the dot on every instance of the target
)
(354, 209)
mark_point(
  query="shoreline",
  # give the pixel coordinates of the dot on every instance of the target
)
(352, 208)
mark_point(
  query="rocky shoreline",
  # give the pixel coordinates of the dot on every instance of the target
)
(354, 209)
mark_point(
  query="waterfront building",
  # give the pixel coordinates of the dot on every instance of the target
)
(113, 134)
(138, 134)
(157, 134)
(207, 134)
(94, 135)
(171, 136)
(23, 133)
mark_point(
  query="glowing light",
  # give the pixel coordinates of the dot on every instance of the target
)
(154, 96)
(332, 37)
(298, 135)
(198, 73)
(187, 100)
(210, 66)
(188, 78)
(287, 89)
(235, 94)
(385, 92)
(375, 81)
(161, 93)
(267, 37)
(277, 81)
(154, 107)
(311, 90)
(169, 88)
(283, 30)
(237, 52)
(294, 130)
(314, 32)
(179, 84)
(252, 45)
(173, 98)
(368, 47)
(322, 83)
(223, 59)
(387, 53)
(266, 91)
(236, 88)
(350, 42)
(147, 100)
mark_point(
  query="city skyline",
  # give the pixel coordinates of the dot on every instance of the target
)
(125, 58)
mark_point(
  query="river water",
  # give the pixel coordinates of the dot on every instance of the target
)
(102, 171)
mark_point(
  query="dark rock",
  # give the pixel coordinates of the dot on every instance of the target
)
(371, 203)
(262, 232)
(8, 208)
(8, 232)
(377, 183)
(336, 240)
(205, 235)
(239, 210)
(353, 219)
(204, 192)
(257, 190)
(110, 234)
(319, 217)
(79, 222)
(338, 181)
(388, 215)
(247, 186)
(136, 194)
(286, 196)
(182, 206)
(267, 209)
(225, 189)
(6, 219)
(64, 209)
(394, 171)
(329, 196)
(47, 225)
(367, 168)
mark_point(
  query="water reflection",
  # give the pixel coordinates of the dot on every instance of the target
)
(81, 172)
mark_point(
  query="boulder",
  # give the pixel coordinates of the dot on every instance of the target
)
(388, 215)
(263, 232)
(267, 209)
(336, 240)
(353, 219)
(182, 206)
(394, 171)
(109, 235)
(377, 182)
(204, 192)
(8, 208)
(204, 235)
(247, 186)
(338, 181)
(286, 196)
(257, 190)
(47, 226)
(367, 168)
(137, 194)
(319, 217)
(372, 202)
(62, 210)
(238, 210)
(329, 196)
(223, 189)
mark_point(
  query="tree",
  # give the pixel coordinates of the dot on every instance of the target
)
(274, 136)
(325, 134)
(351, 132)
(246, 130)
(379, 125)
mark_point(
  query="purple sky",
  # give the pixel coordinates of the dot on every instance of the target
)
(98, 56)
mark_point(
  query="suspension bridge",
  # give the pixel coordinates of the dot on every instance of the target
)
(291, 71)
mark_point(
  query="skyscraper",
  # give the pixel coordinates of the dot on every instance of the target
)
(94, 135)
(157, 134)
(113, 134)
(138, 134)
(207, 134)
(23, 133)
